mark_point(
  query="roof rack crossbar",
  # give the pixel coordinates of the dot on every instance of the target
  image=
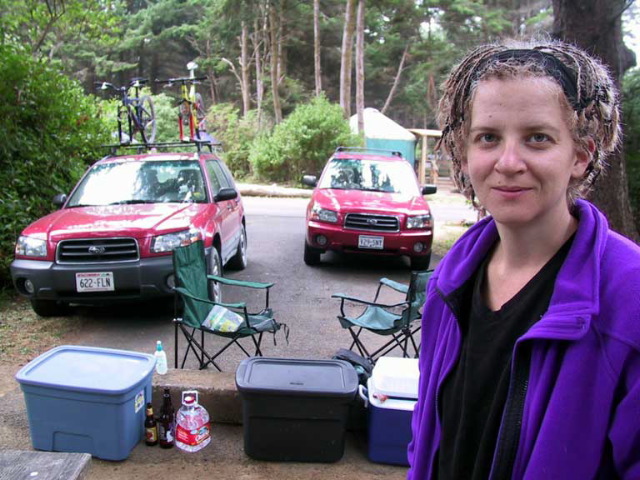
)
(368, 150)
(142, 147)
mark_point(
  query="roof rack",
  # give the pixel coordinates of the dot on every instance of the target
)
(368, 150)
(145, 147)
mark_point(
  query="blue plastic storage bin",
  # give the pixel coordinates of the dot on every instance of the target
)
(87, 399)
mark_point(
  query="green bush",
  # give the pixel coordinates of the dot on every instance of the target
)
(302, 142)
(236, 133)
(49, 131)
(631, 109)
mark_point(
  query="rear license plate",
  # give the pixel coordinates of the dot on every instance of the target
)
(95, 282)
(367, 241)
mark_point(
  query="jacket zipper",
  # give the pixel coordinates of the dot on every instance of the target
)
(510, 429)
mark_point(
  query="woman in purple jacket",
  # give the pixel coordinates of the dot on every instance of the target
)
(530, 360)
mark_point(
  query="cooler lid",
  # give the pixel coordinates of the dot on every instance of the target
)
(87, 369)
(396, 377)
(335, 378)
(389, 403)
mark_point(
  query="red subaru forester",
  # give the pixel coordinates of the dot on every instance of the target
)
(369, 202)
(113, 236)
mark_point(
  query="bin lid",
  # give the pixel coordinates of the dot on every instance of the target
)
(87, 369)
(396, 377)
(305, 377)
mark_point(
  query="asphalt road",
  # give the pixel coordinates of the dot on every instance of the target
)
(301, 296)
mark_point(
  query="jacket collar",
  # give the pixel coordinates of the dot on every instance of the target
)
(576, 294)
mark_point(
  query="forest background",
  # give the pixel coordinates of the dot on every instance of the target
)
(283, 77)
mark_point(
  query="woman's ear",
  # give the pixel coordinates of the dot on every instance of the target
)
(583, 158)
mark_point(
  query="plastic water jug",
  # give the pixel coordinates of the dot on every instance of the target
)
(193, 429)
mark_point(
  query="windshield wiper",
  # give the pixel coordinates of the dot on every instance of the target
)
(132, 202)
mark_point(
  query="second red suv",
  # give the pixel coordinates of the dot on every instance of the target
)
(113, 237)
(369, 202)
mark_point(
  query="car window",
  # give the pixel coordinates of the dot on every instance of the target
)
(132, 182)
(369, 175)
(217, 178)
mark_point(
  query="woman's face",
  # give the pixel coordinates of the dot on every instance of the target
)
(520, 155)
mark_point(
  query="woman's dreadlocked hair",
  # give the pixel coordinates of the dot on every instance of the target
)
(591, 100)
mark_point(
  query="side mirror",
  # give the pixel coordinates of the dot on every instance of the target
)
(310, 180)
(59, 200)
(225, 194)
(429, 189)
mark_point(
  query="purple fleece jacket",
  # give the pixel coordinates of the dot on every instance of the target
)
(581, 417)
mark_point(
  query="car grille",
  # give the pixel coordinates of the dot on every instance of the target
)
(98, 250)
(378, 223)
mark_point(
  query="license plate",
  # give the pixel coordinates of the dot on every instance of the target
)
(367, 241)
(95, 282)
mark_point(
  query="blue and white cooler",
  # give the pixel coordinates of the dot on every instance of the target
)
(392, 391)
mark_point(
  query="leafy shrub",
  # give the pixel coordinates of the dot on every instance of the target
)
(631, 109)
(302, 142)
(225, 123)
(49, 131)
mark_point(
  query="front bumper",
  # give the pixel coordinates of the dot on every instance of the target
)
(394, 243)
(142, 279)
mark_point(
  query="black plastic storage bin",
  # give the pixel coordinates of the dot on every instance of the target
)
(295, 409)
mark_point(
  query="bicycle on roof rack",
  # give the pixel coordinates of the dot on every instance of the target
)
(191, 111)
(136, 113)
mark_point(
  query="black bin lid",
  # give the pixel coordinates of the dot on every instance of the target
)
(305, 377)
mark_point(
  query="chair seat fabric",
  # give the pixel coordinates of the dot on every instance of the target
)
(373, 318)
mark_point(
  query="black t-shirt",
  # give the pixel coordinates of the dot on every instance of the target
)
(474, 394)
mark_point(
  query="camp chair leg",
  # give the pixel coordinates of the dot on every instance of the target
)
(211, 360)
(197, 348)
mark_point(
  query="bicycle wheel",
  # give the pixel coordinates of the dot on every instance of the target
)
(185, 112)
(147, 119)
(201, 111)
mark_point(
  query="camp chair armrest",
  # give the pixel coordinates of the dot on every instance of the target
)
(397, 286)
(344, 297)
(239, 283)
(186, 292)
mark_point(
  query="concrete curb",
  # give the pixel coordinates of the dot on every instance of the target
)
(253, 190)
(217, 392)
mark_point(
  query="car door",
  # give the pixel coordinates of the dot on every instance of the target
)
(229, 209)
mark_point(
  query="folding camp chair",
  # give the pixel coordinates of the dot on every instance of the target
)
(230, 321)
(399, 321)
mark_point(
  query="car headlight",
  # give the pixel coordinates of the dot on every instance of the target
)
(418, 221)
(323, 215)
(31, 247)
(169, 241)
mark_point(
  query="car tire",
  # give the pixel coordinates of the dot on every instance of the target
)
(214, 267)
(420, 263)
(49, 308)
(311, 255)
(239, 260)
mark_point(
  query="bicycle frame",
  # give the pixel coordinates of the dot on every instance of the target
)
(132, 107)
(188, 106)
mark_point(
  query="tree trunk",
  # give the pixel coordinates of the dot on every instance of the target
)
(258, 46)
(316, 46)
(596, 26)
(396, 81)
(274, 47)
(347, 58)
(244, 69)
(360, 66)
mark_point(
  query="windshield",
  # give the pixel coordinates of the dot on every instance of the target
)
(370, 175)
(131, 182)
